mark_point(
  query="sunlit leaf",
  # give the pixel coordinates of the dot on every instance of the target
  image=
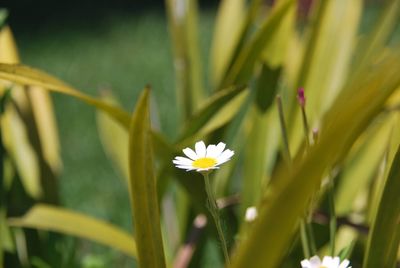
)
(57, 219)
(25, 75)
(43, 113)
(243, 67)
(282, 207)
(142, 186)
(16, 141)
(114, 138)
(228, 27)
(328, 54)
(182, 18)
(8, 48)
(362, 165)
(384, 238)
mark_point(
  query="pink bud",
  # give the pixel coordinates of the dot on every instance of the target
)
(300, 97)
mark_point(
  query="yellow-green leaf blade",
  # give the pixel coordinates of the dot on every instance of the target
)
(57, 219)
(114, 138)
(228, 26)
(243, 67)
(292, 189)
(384, 237)
(26, 75)
(143, 189)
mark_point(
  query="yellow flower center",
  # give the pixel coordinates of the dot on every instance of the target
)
(205, 162)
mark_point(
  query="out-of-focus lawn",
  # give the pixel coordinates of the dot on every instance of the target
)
(122, 53)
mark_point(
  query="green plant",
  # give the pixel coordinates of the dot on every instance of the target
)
(327, 185)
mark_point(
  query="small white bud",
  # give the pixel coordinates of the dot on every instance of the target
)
(251, 214)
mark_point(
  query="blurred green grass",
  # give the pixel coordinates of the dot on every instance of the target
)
(118, 52)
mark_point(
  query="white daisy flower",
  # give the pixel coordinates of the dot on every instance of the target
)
(327, 262)
(203, 158)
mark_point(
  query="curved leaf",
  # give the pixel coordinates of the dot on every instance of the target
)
(57, 219)
(26, 75)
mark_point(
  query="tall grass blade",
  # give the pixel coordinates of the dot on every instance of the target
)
(142, 187)
(182, 22)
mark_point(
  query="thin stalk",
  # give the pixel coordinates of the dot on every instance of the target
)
(304, 239)
(305, 125)
(283, 129)
(311, 238)
(332, 220)
(213, 208)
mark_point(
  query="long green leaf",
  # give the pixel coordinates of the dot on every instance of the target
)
(182, 22)
(26, 75)
(243, 67)
(292, 189)
(384, 238)
(328, 54)
(57, 219)
(114, 138)
(362, 165)
(142, 186)
(17, 143)
(228, 26)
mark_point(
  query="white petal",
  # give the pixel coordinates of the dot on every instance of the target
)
(190, 153)
(225, 156)
(335, 262)
(220, 148)
(188, 168)
(211, 151)
(315, 261)
(328, 261)
(305, 264)
(182, 160)
(200, 149)
(344, 264)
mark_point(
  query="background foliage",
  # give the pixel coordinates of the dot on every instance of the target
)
(348, 66)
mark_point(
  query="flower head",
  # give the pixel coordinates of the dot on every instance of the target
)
(203, 158)
(327, 262)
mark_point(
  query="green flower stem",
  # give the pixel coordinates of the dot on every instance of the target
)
(305, 126)
(304, 239)
(215, 214)
(332, 220)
